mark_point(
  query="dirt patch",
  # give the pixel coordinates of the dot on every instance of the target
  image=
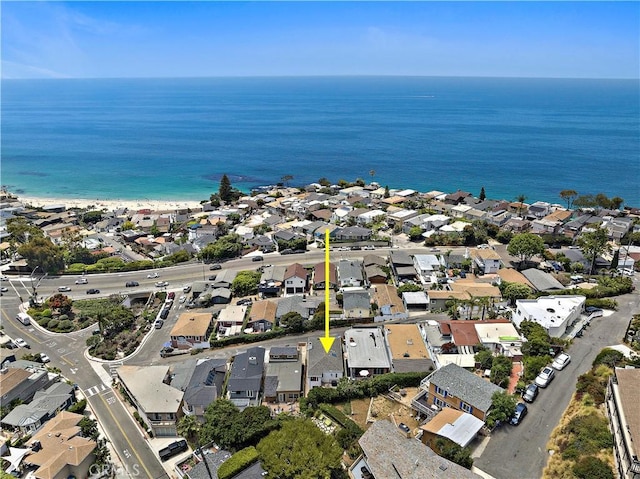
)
(385, 408)
(359, 408)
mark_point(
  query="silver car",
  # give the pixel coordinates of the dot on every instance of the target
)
(545, 377)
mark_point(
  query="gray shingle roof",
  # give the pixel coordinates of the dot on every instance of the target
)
(541, 281)
(318, 361)
(462, 384)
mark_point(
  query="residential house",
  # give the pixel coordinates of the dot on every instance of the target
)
(283, 378)
(262, 316)
(319, 276)
(244, 386)
(415, 300)
(46, 404)
(192, 330)
(457, 197)
(263, 243)
(499, 217)
(427, 265)
(370, 217)
(271, 280)
(230, 321)
(408, 350)
(303, 304)
(350, 273)
(323, 368)
(485, 261)
(220, 296)
(366, 352)
(374, 274)
(553, 313)
(356, 303)
(438, 299)
(541, 281)
(58, 450)
(624, 421)
(17, 384)
(388, 453)
(296, 279)
(402, 265)
(452, 424)
(204, 386)
(158, 404)
(390, 305)
(353, 233)
(511, 275)
(398, 218)
(539, 209)
(224, 279)
(455, 387)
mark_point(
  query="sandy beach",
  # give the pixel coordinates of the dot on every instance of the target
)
(110, 205)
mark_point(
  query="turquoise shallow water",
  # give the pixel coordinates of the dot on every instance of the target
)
(174, 138)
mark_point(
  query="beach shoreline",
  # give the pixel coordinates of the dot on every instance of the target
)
(108, 204)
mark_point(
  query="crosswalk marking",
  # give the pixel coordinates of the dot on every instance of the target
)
(95, 390)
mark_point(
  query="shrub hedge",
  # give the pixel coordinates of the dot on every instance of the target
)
(238, 462)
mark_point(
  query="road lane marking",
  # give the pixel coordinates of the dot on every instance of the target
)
(126, 438)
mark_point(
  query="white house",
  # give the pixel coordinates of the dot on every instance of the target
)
(554, 313)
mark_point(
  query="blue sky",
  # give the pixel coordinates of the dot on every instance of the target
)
(189, 39)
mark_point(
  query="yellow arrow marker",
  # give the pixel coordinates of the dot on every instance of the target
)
(327, 341)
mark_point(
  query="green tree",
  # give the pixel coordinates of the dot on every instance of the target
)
(590, 467)
(21, 231)
(189, 428)
(515, 291)
(454, 452)
(386, 192)
(293, 321)
(409, 288)
(89, 428)
(245, 283)
(286, 179)
(483, 195)
(415, 233)
(593, 244)
(585, 201)
(615, 260)
(569, 196)
(484, 357)
(525, 246)
(300, 450)
(228, 246)
(127, 225)
(503, 405)
(501, 371)
(521, 199)
(324, 182)
(225, 191)
(43, 253)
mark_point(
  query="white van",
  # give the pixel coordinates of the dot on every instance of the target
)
(24, 318)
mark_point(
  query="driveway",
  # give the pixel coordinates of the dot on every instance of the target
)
(520, 451)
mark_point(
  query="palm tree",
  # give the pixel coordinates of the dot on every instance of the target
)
(520, 200)
(189, 428)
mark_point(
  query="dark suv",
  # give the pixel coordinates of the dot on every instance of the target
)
(132, 284)
(172, 449)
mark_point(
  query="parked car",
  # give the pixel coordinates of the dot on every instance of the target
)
(159, 323)
(531, 393)
(44, 358)
(593, 311)
(182, 299)
(257, 258)
(162, 284)
(403, 427)
(211, 278)
(171, 295)
(245, 301)
(173, 449)
(187, 288)
(164, 313)
(545, 377)
(4, 278)
(64, 289)
(132, 284)
(215, 266)
(519, 414)
(82, 281)
(369, 248)
(561, 361)
(93, 291)
(21, 343)
(153, 275)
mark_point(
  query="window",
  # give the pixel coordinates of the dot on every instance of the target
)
(465, 407)
(439, 402)
(314, 378)
(441, 392)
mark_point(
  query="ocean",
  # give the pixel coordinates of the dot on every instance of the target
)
(174, 138)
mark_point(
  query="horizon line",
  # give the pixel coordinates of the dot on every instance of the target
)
(382, 75)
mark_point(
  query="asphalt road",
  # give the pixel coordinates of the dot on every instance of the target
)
(520, 451)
